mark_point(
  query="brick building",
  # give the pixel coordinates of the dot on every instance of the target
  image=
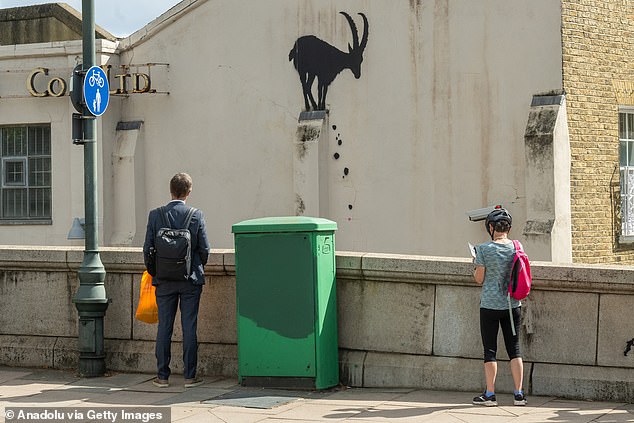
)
(598, 78)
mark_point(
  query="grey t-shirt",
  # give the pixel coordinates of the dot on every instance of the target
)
(497, 260)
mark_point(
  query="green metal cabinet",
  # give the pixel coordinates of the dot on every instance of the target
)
(286, 302)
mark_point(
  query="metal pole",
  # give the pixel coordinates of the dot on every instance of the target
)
(90, 299)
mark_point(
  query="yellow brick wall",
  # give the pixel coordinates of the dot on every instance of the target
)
(598, 69)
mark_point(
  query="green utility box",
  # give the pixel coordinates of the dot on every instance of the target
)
(286, 302)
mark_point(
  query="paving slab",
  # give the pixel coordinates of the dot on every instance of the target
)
(45, 399)
(362, 397)
(276, 420)
(52, 388)
(51, 376)
(189, 414)
(248, 400)
(7, 374)
(223, 383)
(235, 416)
(444, 418)
(434, 398)
(390, 413)
(194, 397)
(114, 381)
(127, 399)
(482, 418)
(553, 417)
(316, 411)
(618, 415)
(478, 410)
(220, 409)
(262, 398)
(207, 416)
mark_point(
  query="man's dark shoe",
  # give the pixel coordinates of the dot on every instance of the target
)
(520, 399)
(191, 383)
(489, 401)
(160, 383)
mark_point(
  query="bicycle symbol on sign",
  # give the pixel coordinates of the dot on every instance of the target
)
(96, 78)
(95, 92)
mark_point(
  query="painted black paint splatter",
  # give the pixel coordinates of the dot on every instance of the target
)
(346, 171)
(336, 155)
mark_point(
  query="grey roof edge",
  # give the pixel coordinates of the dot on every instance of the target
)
(61, 11)
(100, 31)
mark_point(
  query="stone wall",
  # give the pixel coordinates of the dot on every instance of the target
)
(598, 54)
(404, 321)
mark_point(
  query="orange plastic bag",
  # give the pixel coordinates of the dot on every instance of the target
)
(147, 311)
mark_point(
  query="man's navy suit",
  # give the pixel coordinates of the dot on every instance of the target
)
(170, 293)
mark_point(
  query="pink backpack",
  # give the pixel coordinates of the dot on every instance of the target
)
(520, 284)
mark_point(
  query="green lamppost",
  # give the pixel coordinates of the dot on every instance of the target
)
(90, 299)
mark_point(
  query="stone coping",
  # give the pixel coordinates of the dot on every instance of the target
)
(55, 49)
(350, 265)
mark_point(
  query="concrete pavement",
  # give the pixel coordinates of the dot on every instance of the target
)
(223, 400)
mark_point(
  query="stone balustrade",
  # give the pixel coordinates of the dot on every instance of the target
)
(404, 321)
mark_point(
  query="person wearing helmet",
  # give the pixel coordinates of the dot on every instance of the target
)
(493, 262)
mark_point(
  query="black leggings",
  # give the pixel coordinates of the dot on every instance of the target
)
(490, 321)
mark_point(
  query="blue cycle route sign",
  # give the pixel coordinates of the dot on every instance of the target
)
(96, 91)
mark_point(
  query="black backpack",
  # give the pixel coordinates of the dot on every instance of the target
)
(173, 249)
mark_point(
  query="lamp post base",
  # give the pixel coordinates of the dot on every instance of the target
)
(92, 366)
(92, 356)
(91, 303)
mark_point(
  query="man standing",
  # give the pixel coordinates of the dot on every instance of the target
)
(172, 291)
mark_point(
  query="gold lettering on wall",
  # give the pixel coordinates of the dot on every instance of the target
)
(147, 84)
(141, 82)
(122, 85)
(30, 82)
(56, 86)
(119, 79)
(62, 87)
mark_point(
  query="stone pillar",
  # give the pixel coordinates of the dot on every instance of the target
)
(123, 184)
(548, 231)
(309, 160)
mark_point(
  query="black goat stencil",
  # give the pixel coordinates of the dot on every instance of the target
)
(314, 58)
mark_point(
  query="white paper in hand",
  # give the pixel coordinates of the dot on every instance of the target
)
(472, 249)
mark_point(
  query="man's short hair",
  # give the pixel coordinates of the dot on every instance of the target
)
(181, 185)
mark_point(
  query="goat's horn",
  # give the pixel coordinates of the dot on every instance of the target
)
(364, 38)
(353, 27)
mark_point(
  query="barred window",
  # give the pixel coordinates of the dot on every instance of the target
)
(25, 166)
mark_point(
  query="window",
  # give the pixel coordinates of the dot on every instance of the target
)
(25, 166)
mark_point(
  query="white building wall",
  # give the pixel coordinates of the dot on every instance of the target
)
(434, 126)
